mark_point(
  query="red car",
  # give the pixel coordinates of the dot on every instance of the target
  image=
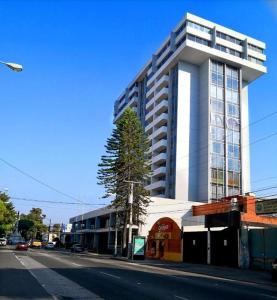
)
(21, 246)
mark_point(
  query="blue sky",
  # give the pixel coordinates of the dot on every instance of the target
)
(78, 56)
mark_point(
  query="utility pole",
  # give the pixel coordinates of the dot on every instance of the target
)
(49, 229)
(130, 201)
(116, 233)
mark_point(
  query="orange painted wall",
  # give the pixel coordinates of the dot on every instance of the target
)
(248, 214)
(164, 241)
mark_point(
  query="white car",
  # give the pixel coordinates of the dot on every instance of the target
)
(50, 245)
(3, 242)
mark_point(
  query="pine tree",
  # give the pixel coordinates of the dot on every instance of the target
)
(126, 160)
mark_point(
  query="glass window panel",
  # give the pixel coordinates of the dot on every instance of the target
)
(233, 124)
(218, 148)
(220, 68)
(229, 82)
(217, 106)
(220, 79)
(217, 120)
(235, 84)
(217, 161)
(236, 179)
(214, 78)
(219, 92)
(233, 110)
(236, 151)
(213, 91)
(230, 164)
(236, 137)
(228, 95)
(235, 97)
(236, 165)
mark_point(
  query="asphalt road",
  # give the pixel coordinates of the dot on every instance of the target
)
(70, 276)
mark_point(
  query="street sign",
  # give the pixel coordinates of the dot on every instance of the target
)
(139, 247)
(266, 207)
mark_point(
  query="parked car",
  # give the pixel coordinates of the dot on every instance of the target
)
(21, 246)
(36, 244)
(274, 270)
(50, 245)
(77, 248)
(3, 242)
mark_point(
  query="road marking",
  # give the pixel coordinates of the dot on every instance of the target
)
(110, 275)
(55, 284)
(183, 298)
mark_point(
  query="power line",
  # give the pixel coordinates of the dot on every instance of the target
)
(38, 180)
(57, 202)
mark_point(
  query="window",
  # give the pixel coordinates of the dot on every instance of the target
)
(217, 191)
(228, 38)
(233, 124)
(218, 148)
(233, 165)
(228, 50)
(233, 137)
(233, 110)
(217, 106)
(255, 60)
(217, 161)
(198, 27)
(232, 96)
(198, 40)
(217, 134)
(233, 179)
(217, 120)
(256, 48)
(233, 151)
(217, 176)
(217, 92)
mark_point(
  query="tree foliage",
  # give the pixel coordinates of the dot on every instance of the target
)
(31, 225)
(7, 214)
(126, 160)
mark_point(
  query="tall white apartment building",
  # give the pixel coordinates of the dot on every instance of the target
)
(192, 100)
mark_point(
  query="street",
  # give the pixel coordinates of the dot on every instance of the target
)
(40, 274)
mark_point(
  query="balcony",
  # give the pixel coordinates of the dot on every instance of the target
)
(133, 90)
(159, 171)
(133, 101)
(162, 94)
(150, 93)
(160, 158)
(160, 145)
(160, 120)
(162, 82)
(156, 185)
(159, 133)
(160, 108)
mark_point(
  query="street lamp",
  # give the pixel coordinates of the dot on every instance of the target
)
(13, 66)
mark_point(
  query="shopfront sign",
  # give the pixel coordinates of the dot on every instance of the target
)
(266, 207)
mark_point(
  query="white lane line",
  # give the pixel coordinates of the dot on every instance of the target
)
(110, 275)
(183, 298)
(55, 284)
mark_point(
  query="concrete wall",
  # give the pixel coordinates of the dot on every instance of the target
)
(186, 173)
(203, 138)
(245, 151)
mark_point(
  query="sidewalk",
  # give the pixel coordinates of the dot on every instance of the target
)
(252, 276)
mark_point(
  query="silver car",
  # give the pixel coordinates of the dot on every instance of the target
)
(3, 242)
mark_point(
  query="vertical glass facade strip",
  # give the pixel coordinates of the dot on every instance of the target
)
(172, 131)
(142, 101)
(224, 131)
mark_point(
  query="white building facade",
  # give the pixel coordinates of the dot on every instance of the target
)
(192, 100)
